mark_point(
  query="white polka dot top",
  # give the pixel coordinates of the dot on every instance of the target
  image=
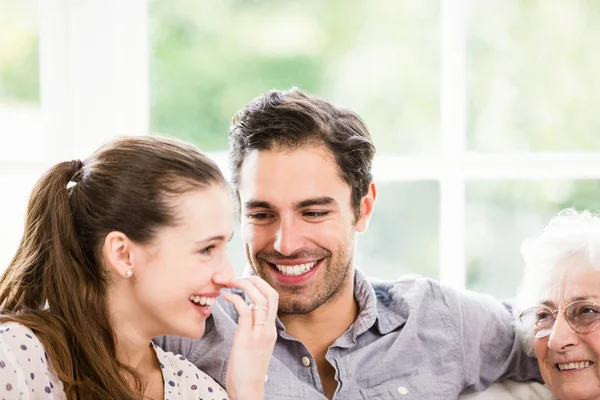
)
(26, 374)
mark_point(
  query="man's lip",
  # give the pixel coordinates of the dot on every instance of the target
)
(292, 262)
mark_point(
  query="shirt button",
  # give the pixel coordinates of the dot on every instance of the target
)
(306, 361)
(402, 390)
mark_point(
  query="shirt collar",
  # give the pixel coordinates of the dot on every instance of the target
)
(377, 307)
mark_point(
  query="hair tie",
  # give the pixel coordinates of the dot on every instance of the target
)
(76, 166)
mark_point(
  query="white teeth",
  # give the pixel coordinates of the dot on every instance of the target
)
(202, 300)
(574, 365)
(295, 270)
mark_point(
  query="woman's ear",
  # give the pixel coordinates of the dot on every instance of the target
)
(118, 253)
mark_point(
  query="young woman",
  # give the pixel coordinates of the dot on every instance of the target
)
(125, 246)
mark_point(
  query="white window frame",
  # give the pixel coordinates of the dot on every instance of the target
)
(96, 86)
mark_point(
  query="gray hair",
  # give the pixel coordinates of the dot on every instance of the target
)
(569, 233)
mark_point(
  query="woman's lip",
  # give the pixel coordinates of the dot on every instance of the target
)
(211, 294)
(203, 310)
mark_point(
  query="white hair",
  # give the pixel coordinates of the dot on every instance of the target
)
(569, 233)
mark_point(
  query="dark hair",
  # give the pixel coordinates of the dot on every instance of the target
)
(125, 186)
(291, 119)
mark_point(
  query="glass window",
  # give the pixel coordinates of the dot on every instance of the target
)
(380, 59)
(403, 234)
(19, 184)
(20, 116)
(533, 75)
(500, 215)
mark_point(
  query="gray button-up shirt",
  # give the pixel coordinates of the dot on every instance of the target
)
(413, 339)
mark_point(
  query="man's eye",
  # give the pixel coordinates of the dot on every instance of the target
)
(316, 214)
(207, 250)
(259, 216)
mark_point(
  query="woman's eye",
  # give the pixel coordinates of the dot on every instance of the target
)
(207, 250)
(543, 316)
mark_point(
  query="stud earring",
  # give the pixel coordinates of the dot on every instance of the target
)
(128, 273)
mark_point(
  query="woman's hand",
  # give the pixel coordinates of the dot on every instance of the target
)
(254, 339)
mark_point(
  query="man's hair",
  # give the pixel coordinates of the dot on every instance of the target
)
(129, 185)
(291, 119)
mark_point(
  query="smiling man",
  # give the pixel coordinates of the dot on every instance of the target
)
(301, 170)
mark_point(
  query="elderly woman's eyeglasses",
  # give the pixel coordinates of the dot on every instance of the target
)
(582, 316)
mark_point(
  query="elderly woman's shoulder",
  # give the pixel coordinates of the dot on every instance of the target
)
(511, 390)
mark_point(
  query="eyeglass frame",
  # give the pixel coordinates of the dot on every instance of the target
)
(554, 315)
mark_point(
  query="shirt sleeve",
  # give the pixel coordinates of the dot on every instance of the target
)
(12, 378)
(491, 348)
(24, 370)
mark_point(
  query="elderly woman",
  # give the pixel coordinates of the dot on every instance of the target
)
(558, 304)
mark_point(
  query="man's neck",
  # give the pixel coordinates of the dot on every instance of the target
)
(318, 329)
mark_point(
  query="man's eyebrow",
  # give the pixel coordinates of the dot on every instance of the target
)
(317, 201)
(251, 204)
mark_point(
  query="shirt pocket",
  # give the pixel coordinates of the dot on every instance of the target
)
(418, 387)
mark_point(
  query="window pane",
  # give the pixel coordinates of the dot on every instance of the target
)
(12, 212)
(500, 215)
(403, 233)
(19, 70)
(380, 59)
(533, 75)
(20, 117)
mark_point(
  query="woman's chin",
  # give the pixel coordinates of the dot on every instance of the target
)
(195, 332)
(576, 391)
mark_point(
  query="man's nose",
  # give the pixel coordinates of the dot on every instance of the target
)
(288, 237)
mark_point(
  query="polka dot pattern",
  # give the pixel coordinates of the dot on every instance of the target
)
(20, 377)
(183, 380)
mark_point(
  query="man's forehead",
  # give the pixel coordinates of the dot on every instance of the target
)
(269, 170)
(284, 154)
